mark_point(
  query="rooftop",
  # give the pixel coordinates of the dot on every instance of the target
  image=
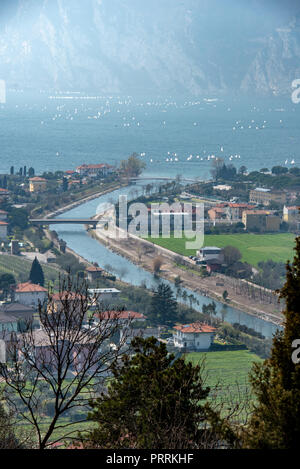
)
(261, 189)
(119, 315)
(195, 328)
(256, 212)
(67, 295)
(29, 287)
(103, 290)
(94, 269)
(37, 179)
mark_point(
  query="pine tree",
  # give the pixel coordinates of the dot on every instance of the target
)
(155, 402)
(163, 306)
(36, 274)
(275, 422)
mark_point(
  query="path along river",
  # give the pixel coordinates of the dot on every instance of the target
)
(79, 241)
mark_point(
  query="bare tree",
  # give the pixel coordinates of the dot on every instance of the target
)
(157, 263)
(65, 361)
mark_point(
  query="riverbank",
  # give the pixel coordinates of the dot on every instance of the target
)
(142, 253)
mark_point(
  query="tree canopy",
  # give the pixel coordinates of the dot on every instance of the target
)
(154, 402)
(275, 422)
(133, 166)
(163, 305)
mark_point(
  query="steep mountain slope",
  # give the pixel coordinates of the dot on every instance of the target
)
(162, 46)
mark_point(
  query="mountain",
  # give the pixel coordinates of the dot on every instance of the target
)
(190, 47)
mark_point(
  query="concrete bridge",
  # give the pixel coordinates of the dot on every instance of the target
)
(67, 221)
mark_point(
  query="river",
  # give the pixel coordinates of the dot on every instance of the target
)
(78, 239)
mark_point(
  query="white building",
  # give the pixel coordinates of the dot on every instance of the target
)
(30, 294)
(104, 295)
(195, 336)
(95, 170)
(209, 252)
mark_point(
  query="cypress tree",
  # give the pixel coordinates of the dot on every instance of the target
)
(36, 274)
(275, 422)
(31, 172)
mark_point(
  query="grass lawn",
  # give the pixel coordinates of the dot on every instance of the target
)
(254, 247)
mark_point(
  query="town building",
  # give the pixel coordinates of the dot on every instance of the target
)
(145, 333)
(94, 273)
(196, 336)
(14, 316)
(291, 214)
(4, 193)
(95, 170)
(59, 301)
(3, 215)
(266, 196)
(3, 230)
(121, 316)
(30, 294)
(45, 353)
(70, 173)
(74, 184)
(217, 213)
(222, 187)
(104, 294)
(124, 319)
(234, 212)
(37, 184)
(261, 220)
(208, 253)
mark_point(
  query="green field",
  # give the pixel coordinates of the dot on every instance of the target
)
(227, 375)
(254, 247)
(227, 368)
(20, 268)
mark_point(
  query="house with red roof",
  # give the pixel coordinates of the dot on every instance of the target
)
(73, 300)
(37, 184)
(30, 294)
(197, 336)
(124, 319)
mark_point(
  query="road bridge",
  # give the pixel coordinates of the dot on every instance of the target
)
(67, 221)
